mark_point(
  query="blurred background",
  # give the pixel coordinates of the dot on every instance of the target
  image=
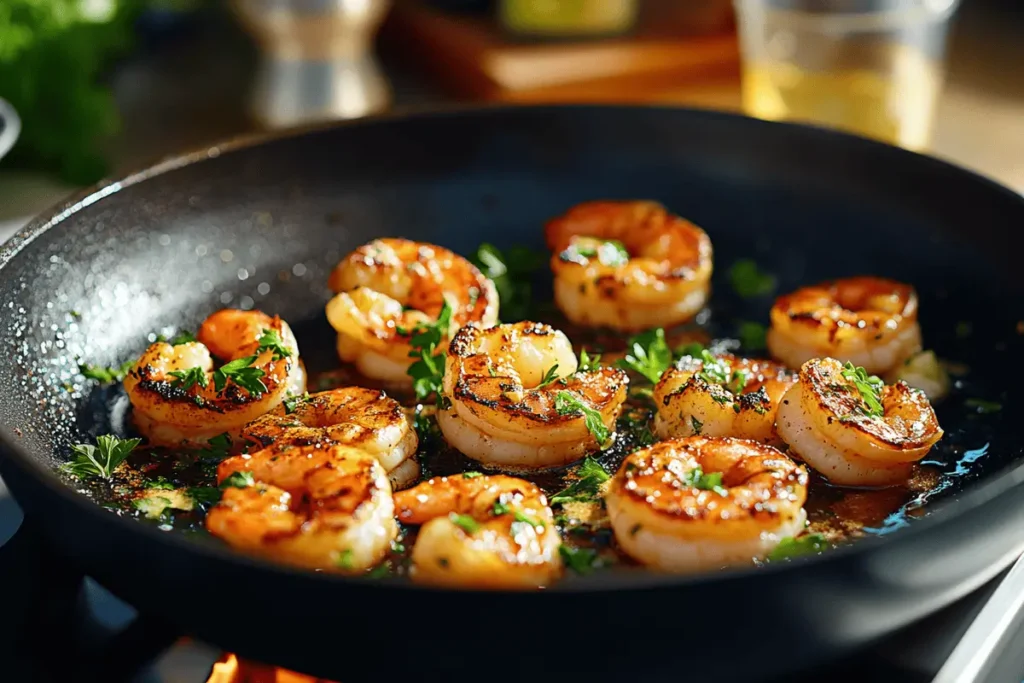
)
(104, 87)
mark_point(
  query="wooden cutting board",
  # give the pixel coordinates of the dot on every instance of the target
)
(663, 60)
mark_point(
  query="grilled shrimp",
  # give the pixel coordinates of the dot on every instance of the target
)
(362, 418)
(180, 399)
(852, 428)
(323, 507)
(386, 288)
(698, 503)
(483, 531)
(628, 265)
(503, 414)
(720, 396)
(869, 321)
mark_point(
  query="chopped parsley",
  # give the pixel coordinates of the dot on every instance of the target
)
(105, 375)
(380, 571)
(152, 506)
(868, 386)
(550, 376)
(982, 406)
(748, 281)
(696, 424)
(464, 522)
(241, 372)
(610, 253)
(705, 481)
(752, 335)
(183, 337)
(511, 273)
(218, 449)
(346, 559)
(270, 340)
(100, 460)
(590, 476)
(713, 370)
(588, 363)
(427, 371)
(238, 480)
(789, 547)
(738, 381)
(204, 495)
(471, 475)
(160, 484)
(568, 403)
(648, 354)
(693, 349)
(293, 402)
(580, 560)
(186, 379)
(500, 509)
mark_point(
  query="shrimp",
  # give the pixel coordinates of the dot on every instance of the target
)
(518, 401)
(322, 507)
(387, 288)
(484, 531)
(869, 321)
(852, 428)
(720, 396)
(362, 418)
(698, 503)
(628, 265)
(179, 399)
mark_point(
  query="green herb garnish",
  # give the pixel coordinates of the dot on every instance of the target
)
(152, 506)
(610, 253)
(568, 403)
(789, 547)
(749, 281)
(293, 402)
(471, 475)
(464, 522)
(705, 481)
(752, 336)
(380, 571)
(580, 560)
(511, 273)
(183, 337)
(550, 376)
(204, 495)
(186, 379)
(696, 424)
(242, 373)
(105, 375)
(713, 370)
(100, 460)
(588, 363)
(219, 448)
(346, 559)
(693, 349)
(590, 476)
(428, 371)
(982, 406)
(270, 340)
(238, 480)
(648, 354)
(868, 386)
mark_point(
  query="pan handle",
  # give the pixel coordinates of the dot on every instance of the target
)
(10, 127)
(997, 621)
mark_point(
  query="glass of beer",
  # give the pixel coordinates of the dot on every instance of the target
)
(869, 67)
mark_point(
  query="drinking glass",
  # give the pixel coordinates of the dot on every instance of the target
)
(870, 67)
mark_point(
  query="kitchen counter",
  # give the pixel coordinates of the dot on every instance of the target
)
(189, 89)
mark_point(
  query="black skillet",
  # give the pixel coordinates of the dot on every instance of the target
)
(261, 222)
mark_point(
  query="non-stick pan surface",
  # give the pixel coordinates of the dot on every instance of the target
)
(260, 223)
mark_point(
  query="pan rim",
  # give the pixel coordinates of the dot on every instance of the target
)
(1005, 483)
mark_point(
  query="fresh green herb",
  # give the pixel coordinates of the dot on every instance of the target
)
(204, 495)
(705, 481)
(511, 273)
(293, 402)
(568, 403)
(588, 363)
(696, 424)
(427, 371)
(152, 506)
(714, 370)
(380, 571)
(186, 379)
(868, 386)
(242, 373)
(738, 381)
(982, 406)
(499, 509)
(471, 475)
(610, 253)
(749, 281)
(789, 547)
(183, 337)
(464, 522)
(346, 559)
(694, 349)
(218, 449)
(648, 354)
(550, 376)
(270, 340)
(160, 484)
(590, 476)
(580, 560)
(238, 480)
(102, 459)
(105, 375)
(752, 336)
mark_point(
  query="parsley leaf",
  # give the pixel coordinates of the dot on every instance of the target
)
(752, 336)
(105, 375)
(183, 337)
(239, 480)
(241, 373)
(186, 379)
(464, 522)
(610, 253)
(749, 281)
(696, 424)
(648, 354)
(550, 376)
(152, 506)
(270, 340)
(100, 460)
(705, 481)
(204, 495)
(588, 363)
(982, 406)
(380, 571)
(511, 273)
(868, 386)
(568, 403)
(714, 370)
(809, 544)
(293, 402)
(580, 560)
(346, 559)
(428, 371)
(587, 488)
(471, 475)
(219, 448)
(693, 349)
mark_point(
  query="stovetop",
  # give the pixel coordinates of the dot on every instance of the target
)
(56, 627)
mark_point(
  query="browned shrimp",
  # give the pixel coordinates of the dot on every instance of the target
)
(720, 396)
(500, 413)
(854, 429)
(363, 418)
(389, 286)
(324, 507)
(179, 399)
(628, 265)
(482, 531)
(702, 503)
(869, 321)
